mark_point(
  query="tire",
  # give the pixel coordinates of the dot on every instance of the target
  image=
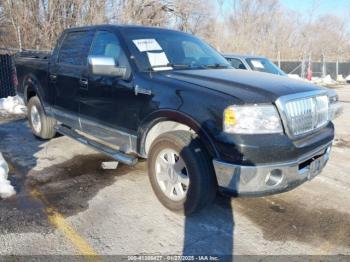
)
(198, 171)
(46, 127)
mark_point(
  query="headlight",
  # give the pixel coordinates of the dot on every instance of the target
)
(254, 119)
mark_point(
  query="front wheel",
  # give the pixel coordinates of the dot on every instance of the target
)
(181, 172)
(42, 126)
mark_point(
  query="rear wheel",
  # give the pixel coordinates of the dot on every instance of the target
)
(181, 172)
(42, 126)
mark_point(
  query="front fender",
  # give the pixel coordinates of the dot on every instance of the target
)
(179, 117)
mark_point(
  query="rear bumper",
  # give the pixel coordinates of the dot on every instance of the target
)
(270, 178)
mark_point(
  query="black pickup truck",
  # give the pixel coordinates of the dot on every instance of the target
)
(139, 92)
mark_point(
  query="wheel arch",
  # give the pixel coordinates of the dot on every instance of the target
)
(31, 88)
(164, 121)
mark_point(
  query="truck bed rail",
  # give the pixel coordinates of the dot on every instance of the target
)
(27, 53)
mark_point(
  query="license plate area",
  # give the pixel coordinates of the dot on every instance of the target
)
(315, 167)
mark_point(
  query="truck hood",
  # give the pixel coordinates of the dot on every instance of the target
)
(247, 86)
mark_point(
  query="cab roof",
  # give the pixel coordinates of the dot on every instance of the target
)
(120, 27)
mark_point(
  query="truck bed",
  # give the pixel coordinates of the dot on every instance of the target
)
(34, 63)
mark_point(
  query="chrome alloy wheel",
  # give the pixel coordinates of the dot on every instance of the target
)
(172, 175)
(35, 119)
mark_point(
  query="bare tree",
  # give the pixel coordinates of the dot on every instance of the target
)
(192, 16)
(253, 26)
(144, 12)
(37, 23)
(247, 26)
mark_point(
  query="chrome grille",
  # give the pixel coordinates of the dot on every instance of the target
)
(306, 114)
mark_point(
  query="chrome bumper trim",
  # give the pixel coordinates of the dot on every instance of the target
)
(270, 178)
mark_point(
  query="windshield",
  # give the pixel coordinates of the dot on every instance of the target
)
(158, 49)
(264, 65)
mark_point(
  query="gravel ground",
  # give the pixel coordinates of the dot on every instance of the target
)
(67, 204)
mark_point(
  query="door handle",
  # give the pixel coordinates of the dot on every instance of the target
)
(139, 90)
(83, 82)
(53, 78)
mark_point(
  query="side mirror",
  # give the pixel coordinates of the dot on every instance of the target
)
(105, 66)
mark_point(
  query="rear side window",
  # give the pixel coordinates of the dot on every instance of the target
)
(75, 48)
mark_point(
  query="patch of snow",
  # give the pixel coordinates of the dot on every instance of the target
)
(294, 76)
(340, 78)
(6, 189)
(12, 105)
(297, 77)
(327, 80)
(110, 165)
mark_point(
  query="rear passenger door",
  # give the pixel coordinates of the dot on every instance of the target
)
(66, 76)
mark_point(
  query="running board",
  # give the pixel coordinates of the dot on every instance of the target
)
(117, 155)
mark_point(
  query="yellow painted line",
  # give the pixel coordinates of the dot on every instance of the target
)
(58, 221)
(327, 247)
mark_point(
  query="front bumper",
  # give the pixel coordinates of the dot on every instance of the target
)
(271, 178)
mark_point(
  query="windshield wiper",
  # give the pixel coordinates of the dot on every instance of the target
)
(171, 65)
(175, 66)
(179, 65)
(217, 65)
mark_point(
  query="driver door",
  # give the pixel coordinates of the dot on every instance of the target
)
(105, 101)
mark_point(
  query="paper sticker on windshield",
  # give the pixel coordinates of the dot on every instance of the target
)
(147, 45)
(158, 61)
(257, 64)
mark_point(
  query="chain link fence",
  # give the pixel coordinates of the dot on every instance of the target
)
(8, 78)
(319, 69)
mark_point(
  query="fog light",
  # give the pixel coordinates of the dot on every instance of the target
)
(274, 177)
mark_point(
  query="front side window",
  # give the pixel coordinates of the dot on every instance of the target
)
(107, 44)
(75, 48)
(236, 63)
(171, 50)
